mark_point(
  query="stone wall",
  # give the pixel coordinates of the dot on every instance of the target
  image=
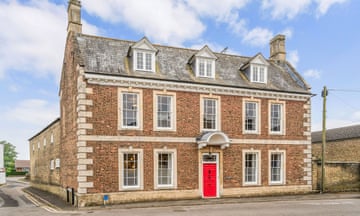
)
(339, 176)
(342, 166)
(45, 162)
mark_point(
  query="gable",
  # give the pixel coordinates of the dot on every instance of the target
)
(206, 52)
(144, 44)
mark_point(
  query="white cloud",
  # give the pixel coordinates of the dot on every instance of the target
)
(258, 36)
(33, 111)
(221, 10)
(284, 8)
(281, 9)
(324, 5)
(293, 58)
(312, 73)
(287, 32)
(34, 37)
(356, 115)
(163, 21)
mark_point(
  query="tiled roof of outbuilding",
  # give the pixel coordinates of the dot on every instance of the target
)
(110, 57)
(342, 133)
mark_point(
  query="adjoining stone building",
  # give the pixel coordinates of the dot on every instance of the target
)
(143, 122)
(45, 157)
(342, 159)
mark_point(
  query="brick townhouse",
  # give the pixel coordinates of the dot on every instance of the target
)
(142, 122)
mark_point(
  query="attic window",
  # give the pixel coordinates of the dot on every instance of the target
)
(203, 63)
(205, 67)
(258, 73)
(144, 61)
(143, 55)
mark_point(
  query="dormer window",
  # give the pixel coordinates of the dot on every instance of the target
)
(145, 61)
(203, 63)
(258, 73)
(143, 56)
(256, 69)
(205, 67)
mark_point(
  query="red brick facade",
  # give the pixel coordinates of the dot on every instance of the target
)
(95, 146)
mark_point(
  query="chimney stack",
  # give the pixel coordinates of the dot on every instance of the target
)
(277, 48)
(74, 17)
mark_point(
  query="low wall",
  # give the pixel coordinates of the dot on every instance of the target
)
(339, 176)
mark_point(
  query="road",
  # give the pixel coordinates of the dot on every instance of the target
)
(13, 202)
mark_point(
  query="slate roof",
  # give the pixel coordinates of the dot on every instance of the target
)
(22, 163)
(110, 57)
(342, 133)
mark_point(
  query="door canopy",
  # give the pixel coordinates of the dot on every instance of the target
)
(213, 139)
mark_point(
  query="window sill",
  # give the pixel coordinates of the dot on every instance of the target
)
(165, 188)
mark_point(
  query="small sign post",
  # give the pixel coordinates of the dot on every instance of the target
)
(106, 199)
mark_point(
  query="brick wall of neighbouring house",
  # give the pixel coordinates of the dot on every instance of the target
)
(41, 156)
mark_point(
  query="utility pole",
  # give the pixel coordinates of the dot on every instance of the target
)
(322, 184)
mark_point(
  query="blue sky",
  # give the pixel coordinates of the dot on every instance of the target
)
(322, 42)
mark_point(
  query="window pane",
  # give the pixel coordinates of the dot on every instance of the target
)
(148, 61)
(209, 117)
(164, 168)
(255, 73)
(164, 111)
(250, 116)
(276, 167)
(139, 60)
(130, 109)
(251, 167)
(130, 172)
(208, 68)
(262, 74)
(201, 67)
(276, 114)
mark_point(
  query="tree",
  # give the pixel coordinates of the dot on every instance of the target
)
(10, 155)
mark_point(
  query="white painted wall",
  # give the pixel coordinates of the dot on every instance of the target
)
(2, 167)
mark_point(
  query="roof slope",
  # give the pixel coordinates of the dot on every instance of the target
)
(342, 133)
(110, 57)
(22, 163)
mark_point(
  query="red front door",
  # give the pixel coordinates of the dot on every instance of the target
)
(209, 180)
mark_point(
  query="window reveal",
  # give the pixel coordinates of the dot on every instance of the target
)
(130, 110)
(131, 169)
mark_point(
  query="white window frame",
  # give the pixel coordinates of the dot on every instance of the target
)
(173, 184)
(258, 116)
(44, 141)
(218, 112)
(139, 116)
(57, 163)
(282, 168)
(282, 118)
(258, 167)
(144, 53)
(206, 62)
(255, 73)
(140, 171)
(173, 111)
(38, 144)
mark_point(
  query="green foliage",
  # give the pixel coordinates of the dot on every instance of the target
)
(14, 173)
(10, 155)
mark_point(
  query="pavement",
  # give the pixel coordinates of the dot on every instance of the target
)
(57, 203)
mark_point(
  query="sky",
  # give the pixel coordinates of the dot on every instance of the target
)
(322, 42)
